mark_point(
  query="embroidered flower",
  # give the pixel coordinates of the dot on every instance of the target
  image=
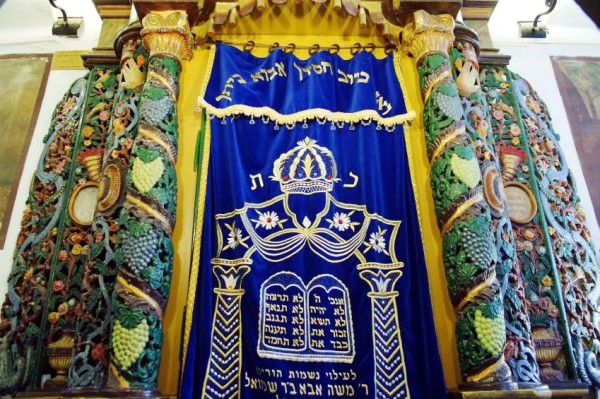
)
(341, 221)
(268, 220)
(377, 242)
(235, 238)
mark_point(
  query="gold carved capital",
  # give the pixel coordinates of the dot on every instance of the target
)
(428, 34)
(168, 32)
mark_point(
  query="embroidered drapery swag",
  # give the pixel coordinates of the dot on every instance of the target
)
(308, 276)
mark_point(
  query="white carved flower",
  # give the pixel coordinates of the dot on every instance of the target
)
(268, 220)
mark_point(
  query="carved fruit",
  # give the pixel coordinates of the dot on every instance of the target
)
(139, 251)
(467, 171)
(128, 344)
(490, 332)
(146, 174)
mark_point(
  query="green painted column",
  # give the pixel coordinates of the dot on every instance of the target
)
(463, 215)
(147, 218)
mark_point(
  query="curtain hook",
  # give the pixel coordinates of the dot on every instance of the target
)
(334, 48)
(390, 48)
(314, 49)
(249, 46)
(355, 48)
(273, 47)
(369, 47)
(290, 48)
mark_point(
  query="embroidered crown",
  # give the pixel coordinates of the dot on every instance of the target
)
(305, 169)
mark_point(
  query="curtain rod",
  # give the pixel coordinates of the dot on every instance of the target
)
(292, 47)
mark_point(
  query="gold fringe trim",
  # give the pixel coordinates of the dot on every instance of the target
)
(191, 297)
(368, 115)
(152, 212)
(140, 294)
(461, 209)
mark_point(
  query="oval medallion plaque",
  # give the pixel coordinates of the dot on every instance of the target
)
(522, 205)
(83, 203)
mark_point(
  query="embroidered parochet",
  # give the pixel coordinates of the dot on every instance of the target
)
(308, 277)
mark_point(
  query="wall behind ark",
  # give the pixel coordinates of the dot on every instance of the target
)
(25, 28)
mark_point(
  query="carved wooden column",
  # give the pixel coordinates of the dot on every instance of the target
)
(145, 254)
(519, 351)
(463, 215)
(89, 367)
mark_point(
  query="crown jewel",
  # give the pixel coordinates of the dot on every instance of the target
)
(305, 169)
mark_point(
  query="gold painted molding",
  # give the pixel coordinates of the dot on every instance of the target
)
(428, 34)
(168, 32)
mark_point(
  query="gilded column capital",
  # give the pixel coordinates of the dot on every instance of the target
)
(428, 34)
(168, 32)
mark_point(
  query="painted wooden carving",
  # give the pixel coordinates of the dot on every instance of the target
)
(90, 362)
(519, 352)
(469, 254)
(553, 243)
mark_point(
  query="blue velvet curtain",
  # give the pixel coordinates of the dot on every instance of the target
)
(311, 277)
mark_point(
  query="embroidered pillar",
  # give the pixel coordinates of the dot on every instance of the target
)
(519, 350)
(147, 219)
(225, 365)
(463, 215)
(390, 372)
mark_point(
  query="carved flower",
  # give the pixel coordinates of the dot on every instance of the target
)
(544, 303)
(547, 281)
(63, 255)
(553, 311)
(75, 238)
(118, 126)
(76, 250)
(58, 286)
(53, 317)
(98, 354)
(498, 114)
(104, 115)
(88, 131)
(63, 308)
(515, 130)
